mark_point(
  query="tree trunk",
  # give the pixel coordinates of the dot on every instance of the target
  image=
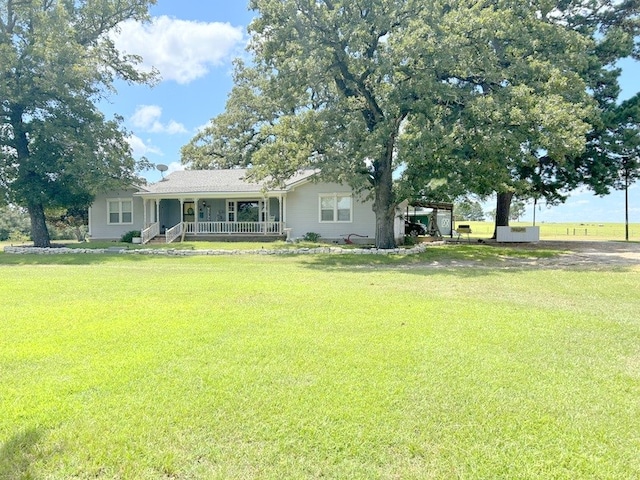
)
(502, 211)
(385, 235)
(39, 230)
(384, 208)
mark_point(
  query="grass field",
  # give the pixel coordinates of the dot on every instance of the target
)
(567, 231)
(239, 367)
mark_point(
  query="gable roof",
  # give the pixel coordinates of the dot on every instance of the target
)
(219, 181)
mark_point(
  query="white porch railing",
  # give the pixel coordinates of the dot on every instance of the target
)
(150, 232)
(174, 232)
(216, 228)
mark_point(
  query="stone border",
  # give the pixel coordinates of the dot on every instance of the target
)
(192, 253)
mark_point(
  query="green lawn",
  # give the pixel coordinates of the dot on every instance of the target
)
(566, 231)
(344, 367)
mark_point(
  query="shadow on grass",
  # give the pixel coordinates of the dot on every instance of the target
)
(476, 261)
(414, 265)
(18, 454)
(10, 259)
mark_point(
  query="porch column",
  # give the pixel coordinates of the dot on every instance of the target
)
(264, 211)
(283, 206)
(157, 211)
(196, 215)
(145, 205)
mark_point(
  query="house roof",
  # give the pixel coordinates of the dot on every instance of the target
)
(218, 181)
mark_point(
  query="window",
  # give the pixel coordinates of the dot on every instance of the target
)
(248, 211)
(335, 208)
(120, 211)
(231, 211)
(252, 211)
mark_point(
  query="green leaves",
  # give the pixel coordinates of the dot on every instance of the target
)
(56, 60)
(481, 96)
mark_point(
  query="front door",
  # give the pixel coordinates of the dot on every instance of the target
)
(189, 212)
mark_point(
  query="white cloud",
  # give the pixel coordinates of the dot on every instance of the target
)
(181, 50)
(203, 127)
(140, 148)
(147, 118)
(175, 167)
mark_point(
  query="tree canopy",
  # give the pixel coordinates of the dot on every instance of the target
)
(56, 60)
(466, 92)
(470, 210)
(522, 141)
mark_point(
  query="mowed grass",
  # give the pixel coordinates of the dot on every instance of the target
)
(352, 367)
(570, 231)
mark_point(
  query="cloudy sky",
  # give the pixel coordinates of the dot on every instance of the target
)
(192, 43)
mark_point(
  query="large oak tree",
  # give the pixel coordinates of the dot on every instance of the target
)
(519, 140)
(363, 89)
(56, 60)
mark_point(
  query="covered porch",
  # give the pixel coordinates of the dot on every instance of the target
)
(196, 218)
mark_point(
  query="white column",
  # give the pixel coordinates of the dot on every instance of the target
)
(283, 206)
(157, 211)
(264, 213)
(196, 215)
(145, 205)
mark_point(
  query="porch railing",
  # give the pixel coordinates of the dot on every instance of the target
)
(174, 232)
(150, 232)
(216, 228)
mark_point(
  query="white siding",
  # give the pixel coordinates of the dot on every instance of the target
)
(99, 229)
(303, 213)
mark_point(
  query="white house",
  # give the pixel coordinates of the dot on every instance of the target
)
(219, 204)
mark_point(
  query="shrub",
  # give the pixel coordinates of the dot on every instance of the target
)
(410, 240)
(128, 237)
(311, 237)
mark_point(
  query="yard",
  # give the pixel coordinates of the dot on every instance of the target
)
(466, 361)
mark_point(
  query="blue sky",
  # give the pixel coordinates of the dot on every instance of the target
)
(193, 42)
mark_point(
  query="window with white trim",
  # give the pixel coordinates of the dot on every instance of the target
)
(335, 208)
(119, 211)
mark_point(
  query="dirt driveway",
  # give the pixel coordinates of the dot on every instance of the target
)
(581, 254)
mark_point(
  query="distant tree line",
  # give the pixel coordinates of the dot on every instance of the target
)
(468, 210)
(471, 211)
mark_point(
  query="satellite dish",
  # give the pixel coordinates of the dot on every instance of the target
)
(161, 167)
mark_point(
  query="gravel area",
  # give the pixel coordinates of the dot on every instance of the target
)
(578, 254)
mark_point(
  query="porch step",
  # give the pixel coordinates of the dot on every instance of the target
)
(160, 240)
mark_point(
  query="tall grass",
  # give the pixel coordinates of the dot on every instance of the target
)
(310, 367)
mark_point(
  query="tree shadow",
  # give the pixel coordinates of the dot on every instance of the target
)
(481, 261)
(18, 453)
(415, 266)
(17, 260)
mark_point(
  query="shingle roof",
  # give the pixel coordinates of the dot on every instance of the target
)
(216, 181)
